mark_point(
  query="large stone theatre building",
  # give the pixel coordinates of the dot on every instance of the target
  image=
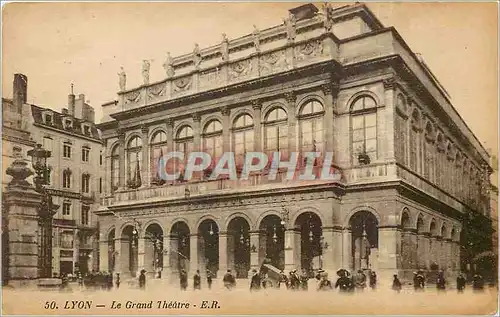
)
(327, 79)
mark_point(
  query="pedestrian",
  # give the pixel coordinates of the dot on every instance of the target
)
(266, 282)
(373, 280)
(304, 280)
(183, 280)
(324, 283)
(441, 281)
(294, 280)
(209, 279)
(477, 283)
(142, 279)
(461, 282)
(344, 283)
(117, 281)
(109, 280)
(229, 280)
(197, 280)
(255, 281)
(360, 281)
(282, 280)
(396, 283)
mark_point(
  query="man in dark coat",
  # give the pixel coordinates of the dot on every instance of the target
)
(183, 280)
(209, 279)
(360, 280)
(477, 283)
(344, 283)
(304, 280)
(461, 281)
(197, 280)
(142, 279)
(396, 283)
(255, 282)
(373, 280)
(229, 280)
(294, 280)
(324, 283)
(117, 281)
(440, 281)
(283, 280)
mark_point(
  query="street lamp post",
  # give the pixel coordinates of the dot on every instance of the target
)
(46, 210)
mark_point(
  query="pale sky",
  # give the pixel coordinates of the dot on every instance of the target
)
(55, 44)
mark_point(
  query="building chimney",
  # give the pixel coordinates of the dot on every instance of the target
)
(20, 90)
(71, 102)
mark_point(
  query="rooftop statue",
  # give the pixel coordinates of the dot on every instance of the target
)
(290, 24)
(145, 71)
(256, 38)
(168, 65)
(327, 16)
(224, 48)
(122, 79)
(196, 56)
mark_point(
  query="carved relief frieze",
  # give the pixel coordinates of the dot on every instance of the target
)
(133, 96)
(182, 84)
(240, 69)
(273, 62)
(156, 91)
(210, 77)
(309, 50)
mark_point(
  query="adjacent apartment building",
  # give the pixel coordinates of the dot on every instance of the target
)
(74, 178)
(327, 80)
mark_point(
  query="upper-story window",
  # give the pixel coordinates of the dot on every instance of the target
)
(67, 150)
(67, 178)
(85, 214)
(86, 129)
(158, 149)
(85, 154)
(242, 137)
(100, 158)
(47, 118)
(212, 140)
(115, 168)
(276, 132)
(68, 123)
(85, 183)
(415, 139)
(183, 143)
(311, 127)
(66, 210)
(364, 130)
(47, 143)
(134, 158)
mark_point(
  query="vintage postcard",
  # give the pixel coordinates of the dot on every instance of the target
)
(217, 158)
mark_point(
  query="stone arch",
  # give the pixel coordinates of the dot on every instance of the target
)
(363, 93)
(115, 144)
(405, 218)
(453, 234)
(233, 215)
(206, 119)
(444, 231)
(401, 103)
(433, 227)
(271, 106)
(150, 222)
(304, 100)
(296, 214)
(108, 231)
(353, 211)
(236, 113)
(125, 225)
(208, 217)
(180, 219)
(131, 136)
(154, 131)
(181, 124)
(420, 223)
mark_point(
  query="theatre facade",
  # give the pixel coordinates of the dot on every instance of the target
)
(327, 80)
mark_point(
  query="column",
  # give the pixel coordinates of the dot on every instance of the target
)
(328, 258)
(292, 119)
(257, 119)
(336, 246)
(346, 248)
(120, 255)
(329, 108)
(412, 251)
(226, 126)
(254, 251)
(290, 249)
(121, 165)
(141, 254)
(166, 270)
(193, 253)
(385, 119)
(196, 141)
(222, 254)
(104, 256)
(169, 123)
(145, 175)
(389, 239)
(426, 239)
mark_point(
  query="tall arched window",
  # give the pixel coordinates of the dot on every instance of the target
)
(440, 157)
(158, 149)
(276, 132)
(364, 130)
(184, 143)
(115, 168)
(134, 157)
(311, 137)
(212, 139)
(428, 151)
(401, 135)
(415, 140)
(242, 137)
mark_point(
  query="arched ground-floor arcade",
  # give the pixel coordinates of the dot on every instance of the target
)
(378, 230)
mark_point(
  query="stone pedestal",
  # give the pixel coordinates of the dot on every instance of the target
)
(254, 252)
(222, 254)
(389, 240)
(193, 254)
(166, 270)
(20, 226)
(291, 250)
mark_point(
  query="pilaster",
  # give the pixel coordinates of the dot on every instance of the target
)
(121, 164)
(226, 126)
(290, 98)
(145, 175)
(257, 113)
(193, 253)
(222, 254)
